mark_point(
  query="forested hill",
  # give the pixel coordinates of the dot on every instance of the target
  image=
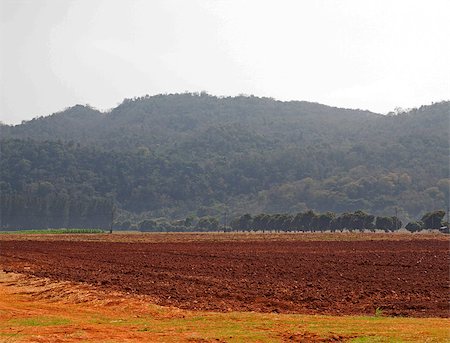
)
(166, 121)
(184, 154)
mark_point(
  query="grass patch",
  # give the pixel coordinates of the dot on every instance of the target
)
(378, 312)
(257, 327)
(39, 321)
(374, 340)
(185, 326)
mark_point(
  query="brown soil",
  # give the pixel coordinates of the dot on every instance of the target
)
(90, 314)
(403, 277)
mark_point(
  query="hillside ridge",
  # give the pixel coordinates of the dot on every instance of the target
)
(194, 154)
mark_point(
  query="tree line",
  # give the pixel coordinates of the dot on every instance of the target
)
(54, 211)
(308, 221)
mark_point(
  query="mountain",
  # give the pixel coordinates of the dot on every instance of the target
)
(168, 119)
(183, 154)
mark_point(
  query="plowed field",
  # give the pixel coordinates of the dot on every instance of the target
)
(403, 277)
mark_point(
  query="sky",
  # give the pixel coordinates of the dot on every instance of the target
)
(373, 54)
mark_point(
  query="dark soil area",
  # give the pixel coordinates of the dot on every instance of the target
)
(408, 278)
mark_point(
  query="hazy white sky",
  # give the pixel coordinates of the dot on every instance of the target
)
(372, 54)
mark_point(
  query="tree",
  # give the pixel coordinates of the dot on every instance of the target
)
(208, 223)
(189, 221)
(243, 223)
(414, 226)
(345, 221)
(397, 223)
(433, 220)
(148, 225)
(384, 223)
(260, 222)
(362, 221)
(323, 221)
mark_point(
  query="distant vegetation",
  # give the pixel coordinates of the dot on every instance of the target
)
(308, 221)
(198, 156)
(55, 231)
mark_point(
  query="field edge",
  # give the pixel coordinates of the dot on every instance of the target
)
(41, 310)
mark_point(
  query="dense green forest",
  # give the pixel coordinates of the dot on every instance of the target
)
(199, 156)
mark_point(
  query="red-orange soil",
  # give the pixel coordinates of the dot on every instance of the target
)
(403, 277)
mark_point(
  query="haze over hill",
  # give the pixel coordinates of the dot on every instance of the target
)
(193, 153)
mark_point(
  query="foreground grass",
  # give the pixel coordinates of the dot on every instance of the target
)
(169, 325)
(255, 327)
(43, 311)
